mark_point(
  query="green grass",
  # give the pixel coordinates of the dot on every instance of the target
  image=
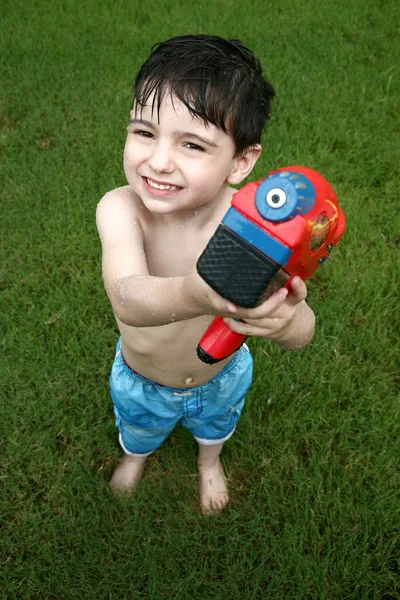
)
(314, 510)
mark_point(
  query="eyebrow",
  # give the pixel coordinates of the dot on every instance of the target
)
(176, 133)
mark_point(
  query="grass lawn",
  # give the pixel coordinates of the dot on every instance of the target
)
(314, 463)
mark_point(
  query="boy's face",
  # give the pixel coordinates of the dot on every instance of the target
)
(177, 163)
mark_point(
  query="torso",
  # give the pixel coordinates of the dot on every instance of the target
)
(167, 354)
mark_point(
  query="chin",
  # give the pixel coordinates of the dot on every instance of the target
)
(160, 207)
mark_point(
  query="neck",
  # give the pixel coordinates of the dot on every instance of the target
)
(200, 216)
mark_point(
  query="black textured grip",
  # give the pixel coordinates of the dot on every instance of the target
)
(235, 269)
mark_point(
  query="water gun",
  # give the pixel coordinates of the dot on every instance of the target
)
(276, 228)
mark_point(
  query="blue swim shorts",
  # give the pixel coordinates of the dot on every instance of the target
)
(147, 412)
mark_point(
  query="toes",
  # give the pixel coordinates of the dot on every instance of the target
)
(208, 509)
(223, 502)
(214, 506)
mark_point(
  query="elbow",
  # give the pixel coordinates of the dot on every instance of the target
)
(306, 334)
(124, 315)
(119, 307)
(302, 332)
(309, 330)
(128, 315)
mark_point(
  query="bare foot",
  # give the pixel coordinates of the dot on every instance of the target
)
(213, 488)
(127, 473)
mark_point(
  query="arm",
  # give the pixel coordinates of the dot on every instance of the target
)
(137, 298)
(300, 330)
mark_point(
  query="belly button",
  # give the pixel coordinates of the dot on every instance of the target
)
(188, 380)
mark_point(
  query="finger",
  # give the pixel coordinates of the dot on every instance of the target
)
(247, 329)
(265, 309)
(283, 315)
(298, 291)
(221, 305)
(238, 326)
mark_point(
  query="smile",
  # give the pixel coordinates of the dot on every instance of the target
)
(161, 186)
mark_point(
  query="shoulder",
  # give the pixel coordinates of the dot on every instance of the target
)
(118, 212)
(115, 200)
(117, 205)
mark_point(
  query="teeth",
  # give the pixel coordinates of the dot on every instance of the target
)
(160, 186)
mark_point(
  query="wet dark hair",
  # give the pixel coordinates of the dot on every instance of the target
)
(219, 81)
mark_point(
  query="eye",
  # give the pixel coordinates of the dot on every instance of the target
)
(139, 132)
(276, 198)
(143, 133)
(192, 146)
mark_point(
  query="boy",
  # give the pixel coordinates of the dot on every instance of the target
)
(200, 106)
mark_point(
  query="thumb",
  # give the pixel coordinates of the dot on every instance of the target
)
(298, 291)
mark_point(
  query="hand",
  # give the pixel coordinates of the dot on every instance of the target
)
(203, 299)
(273, 318)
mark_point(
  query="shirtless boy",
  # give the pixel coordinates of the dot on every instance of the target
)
(200, 106)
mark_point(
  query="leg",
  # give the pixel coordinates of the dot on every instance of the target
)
(136, 439)
(127, 473)
(212, 481)
(224, 398)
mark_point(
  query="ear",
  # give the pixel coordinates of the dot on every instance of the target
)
(243, 164)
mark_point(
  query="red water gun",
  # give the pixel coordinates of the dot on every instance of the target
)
(278, 227)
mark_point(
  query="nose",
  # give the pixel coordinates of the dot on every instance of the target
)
(161, 160)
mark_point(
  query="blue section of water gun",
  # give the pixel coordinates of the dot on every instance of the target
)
(255, 236)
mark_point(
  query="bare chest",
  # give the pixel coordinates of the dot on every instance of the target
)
(171, 252)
